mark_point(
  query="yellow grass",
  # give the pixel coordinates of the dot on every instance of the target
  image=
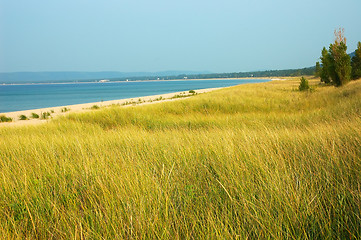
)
(252, 161)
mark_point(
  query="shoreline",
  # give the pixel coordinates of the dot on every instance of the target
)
(95, 81)
(63, 110)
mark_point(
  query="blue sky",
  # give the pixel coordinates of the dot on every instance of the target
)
(157, 35)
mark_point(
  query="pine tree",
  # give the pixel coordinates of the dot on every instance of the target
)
(340, 61)
(318, 69)
(325, 60)
(356, 63)
(303, 85)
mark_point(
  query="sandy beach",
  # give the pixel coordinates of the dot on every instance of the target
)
(63, 110)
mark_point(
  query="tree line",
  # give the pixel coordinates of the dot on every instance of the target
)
(337, 67)
(256, 74)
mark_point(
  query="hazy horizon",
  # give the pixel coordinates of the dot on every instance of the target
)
(157, 36)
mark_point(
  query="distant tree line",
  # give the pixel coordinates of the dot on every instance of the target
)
(336, 66)
(269, 73)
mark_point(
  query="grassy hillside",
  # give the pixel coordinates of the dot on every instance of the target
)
(251, 161)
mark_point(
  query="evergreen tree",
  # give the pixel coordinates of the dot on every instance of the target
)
(340, 61)
(318, 69)
(356, 63)
(303, 85)
(325, 60)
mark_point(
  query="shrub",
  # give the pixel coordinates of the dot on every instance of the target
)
(3, 118)
(158, 99)
(95, 107)
(23, 117)
(177, 96)
(34, 115)
(45, 115)
(303, 84)
(192, 91)
(65, 109)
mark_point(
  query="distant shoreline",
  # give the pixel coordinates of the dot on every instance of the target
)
(58, 111)
(168, 80)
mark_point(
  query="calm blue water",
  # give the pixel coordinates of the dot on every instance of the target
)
(25, 97)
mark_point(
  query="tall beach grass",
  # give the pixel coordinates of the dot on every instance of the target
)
(252, 161)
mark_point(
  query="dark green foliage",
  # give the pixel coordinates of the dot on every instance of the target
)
(258, 74)
(95, 107)
(325, 59)
(356, 63)
(65, 109)
(45, 115)
(192, 91)
(23, 117)
(34, 115)
(340, 64)
(303, 85)
(3, 118)
(336, 62)
(318, 69)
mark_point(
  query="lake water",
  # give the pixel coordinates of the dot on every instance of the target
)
(25, 97)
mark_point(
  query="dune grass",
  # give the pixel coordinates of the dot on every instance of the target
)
(253, 161)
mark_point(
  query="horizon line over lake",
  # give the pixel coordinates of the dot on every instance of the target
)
(35, 96)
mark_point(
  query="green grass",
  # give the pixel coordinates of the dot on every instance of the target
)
(252, 161)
